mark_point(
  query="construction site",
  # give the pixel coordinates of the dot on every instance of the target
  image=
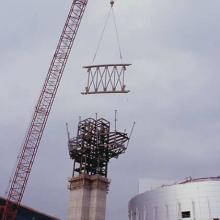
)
(95, 143)
(97, 95)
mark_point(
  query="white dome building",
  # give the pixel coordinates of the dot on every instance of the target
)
(193, 199)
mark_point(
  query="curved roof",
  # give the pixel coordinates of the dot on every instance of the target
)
(192, 180)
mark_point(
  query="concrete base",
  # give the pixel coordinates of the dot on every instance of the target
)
(87, 197)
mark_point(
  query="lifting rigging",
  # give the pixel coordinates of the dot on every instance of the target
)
(107, 78)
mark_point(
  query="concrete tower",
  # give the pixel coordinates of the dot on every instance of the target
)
(91, 150)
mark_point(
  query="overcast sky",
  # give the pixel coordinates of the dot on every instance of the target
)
(174, 82)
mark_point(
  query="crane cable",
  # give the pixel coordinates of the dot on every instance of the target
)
(111, 11)
(117, 35)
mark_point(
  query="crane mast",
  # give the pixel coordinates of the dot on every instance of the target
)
(42, 110)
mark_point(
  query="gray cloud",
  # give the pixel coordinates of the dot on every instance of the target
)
(174, 80)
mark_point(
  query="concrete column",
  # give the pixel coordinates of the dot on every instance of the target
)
(87, 197)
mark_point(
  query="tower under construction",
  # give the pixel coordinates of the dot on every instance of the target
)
(92, 149)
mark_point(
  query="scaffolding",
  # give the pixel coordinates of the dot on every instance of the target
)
(95, 145)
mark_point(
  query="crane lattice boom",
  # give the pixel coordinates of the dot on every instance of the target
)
(42, 110)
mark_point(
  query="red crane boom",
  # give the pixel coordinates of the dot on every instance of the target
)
(42, 110)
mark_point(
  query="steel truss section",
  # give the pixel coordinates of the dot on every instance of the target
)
(106, 79)
(94, 146)
(42, 109)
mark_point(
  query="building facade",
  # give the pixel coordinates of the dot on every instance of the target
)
(193, 199)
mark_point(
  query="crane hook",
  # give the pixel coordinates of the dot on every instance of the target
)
(112, 3)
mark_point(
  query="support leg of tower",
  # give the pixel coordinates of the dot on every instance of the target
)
(88, 197)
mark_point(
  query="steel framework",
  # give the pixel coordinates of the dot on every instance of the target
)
(106, 79)
(42, 109)
(94, 146)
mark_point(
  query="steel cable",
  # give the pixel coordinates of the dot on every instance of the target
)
(111, 11)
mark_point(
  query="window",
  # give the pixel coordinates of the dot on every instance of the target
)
(186, 214)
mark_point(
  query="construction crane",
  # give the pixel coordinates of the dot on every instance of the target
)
(42, 110)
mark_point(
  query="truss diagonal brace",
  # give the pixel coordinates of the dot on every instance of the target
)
(105, 79)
